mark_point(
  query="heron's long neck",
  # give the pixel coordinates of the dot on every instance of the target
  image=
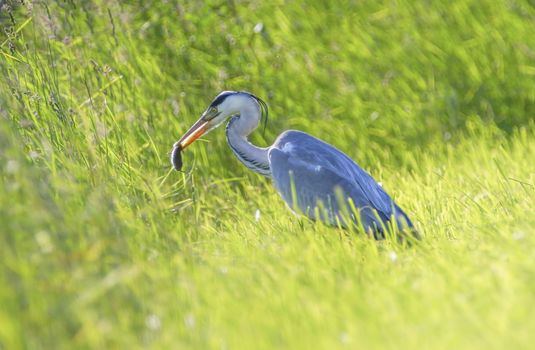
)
(255, 158)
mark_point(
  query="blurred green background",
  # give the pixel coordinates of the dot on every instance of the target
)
(102, 245)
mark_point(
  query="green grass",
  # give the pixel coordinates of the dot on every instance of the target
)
(103, 246)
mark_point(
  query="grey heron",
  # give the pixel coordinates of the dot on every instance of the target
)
(312, 177)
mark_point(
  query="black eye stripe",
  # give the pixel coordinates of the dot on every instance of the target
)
(263, 106)
(219, 99)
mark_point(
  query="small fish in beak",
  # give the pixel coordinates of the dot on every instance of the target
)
(203, 125)
(176, 157)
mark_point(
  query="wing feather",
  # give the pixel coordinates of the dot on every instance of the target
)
(318, 170)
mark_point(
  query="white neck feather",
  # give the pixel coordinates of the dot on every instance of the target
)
(238, 128)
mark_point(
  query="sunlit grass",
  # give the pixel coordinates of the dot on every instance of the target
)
(102, 245)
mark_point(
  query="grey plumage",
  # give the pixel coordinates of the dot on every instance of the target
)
(311, 176)
(322, 174)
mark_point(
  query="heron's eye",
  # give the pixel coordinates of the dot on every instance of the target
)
(212, 112)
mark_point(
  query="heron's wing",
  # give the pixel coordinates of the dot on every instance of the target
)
(314, 152)
(318, 190)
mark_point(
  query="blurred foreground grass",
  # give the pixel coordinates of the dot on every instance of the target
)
(102, 246)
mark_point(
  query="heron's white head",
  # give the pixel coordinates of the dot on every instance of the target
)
(225, 105)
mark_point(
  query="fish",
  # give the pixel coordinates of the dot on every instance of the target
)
(176, 157)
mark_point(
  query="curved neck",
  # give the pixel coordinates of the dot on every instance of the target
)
(238, 128)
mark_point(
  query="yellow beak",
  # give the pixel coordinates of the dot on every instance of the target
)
(193, 133)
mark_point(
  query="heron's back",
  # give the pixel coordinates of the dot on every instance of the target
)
(318, 170)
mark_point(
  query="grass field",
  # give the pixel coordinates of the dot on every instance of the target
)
(103, 246)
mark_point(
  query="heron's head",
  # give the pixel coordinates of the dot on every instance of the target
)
(225, 105)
